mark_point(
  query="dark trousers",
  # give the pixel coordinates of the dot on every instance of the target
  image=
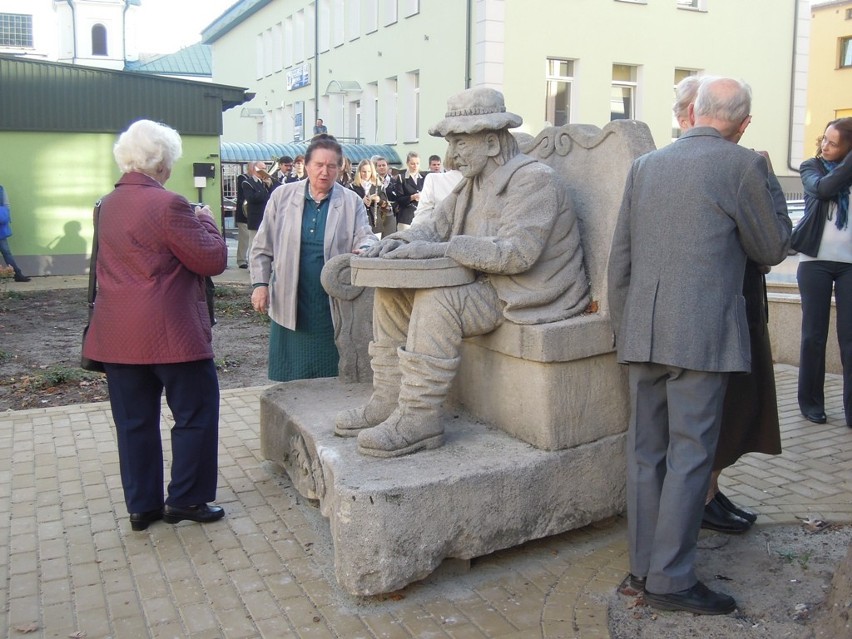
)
(816, 280)
(192, 394)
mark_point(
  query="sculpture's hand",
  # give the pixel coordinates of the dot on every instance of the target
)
(418, 251)
(382, 247)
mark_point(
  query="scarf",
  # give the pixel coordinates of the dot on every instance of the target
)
(842, 198)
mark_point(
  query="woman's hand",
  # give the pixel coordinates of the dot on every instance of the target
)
(260, 299)
(203, 210)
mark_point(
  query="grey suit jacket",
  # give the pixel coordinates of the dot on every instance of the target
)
(691, 213)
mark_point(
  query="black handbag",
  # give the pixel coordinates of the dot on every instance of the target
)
(85, 362)
(807, 234)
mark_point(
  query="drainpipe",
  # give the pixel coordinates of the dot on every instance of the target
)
(73, 28)
(467, 61)
(793, 89)
(316, 66)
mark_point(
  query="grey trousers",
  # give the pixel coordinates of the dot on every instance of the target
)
(674, 426)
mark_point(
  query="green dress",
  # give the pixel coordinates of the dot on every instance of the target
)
(309, 351)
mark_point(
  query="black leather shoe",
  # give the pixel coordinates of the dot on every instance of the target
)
(140, 521)
(699, 600)
(718, 519)
(20, 277)
(815, 417)
(631, 585)
(202, 513)
(731, 507)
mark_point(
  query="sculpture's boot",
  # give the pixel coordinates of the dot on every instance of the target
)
(416, 423)
(386, 375)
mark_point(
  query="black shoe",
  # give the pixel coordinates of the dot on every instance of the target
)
(203, 513)
(815, 417)
(631, 585)
(140, 521)
(699, 600)
(731, 507)
(243, 265)
(20, 277)
(718, 519)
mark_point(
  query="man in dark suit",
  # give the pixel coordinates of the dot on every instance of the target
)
(691, 214)
(256, 190)
(241, 222)
(406, 191)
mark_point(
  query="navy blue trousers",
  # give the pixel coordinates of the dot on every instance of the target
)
(192, 394)
(816, 280)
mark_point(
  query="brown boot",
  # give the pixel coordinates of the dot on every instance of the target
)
(416, 424)
(386, 375)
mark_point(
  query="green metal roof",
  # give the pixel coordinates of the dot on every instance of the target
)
(49, 96)
(248, 151)
(196, 59)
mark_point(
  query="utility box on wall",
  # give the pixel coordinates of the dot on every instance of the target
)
(204, 169)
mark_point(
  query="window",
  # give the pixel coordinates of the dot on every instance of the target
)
(325, 25)
(277, 47)
(388, 100)
(371, 16)
(679, 74)
(299, 37)
(557, 105)
(16, 30)
(99, 40)
(391, 12)
(623, 94)
(353, 19)
(339, 13)
(698, 5)
(410, 8)
(849, 14)
(288, 42)
(845, 52)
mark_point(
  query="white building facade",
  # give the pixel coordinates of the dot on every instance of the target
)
(380, 71)
(97, 33)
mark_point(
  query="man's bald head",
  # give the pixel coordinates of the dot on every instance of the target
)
(725, 105)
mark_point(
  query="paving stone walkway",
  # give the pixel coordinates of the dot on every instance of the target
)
(70, 563)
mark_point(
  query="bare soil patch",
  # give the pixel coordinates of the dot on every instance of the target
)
(41, 332)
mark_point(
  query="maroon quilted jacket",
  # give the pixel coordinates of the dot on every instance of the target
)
(152, 258)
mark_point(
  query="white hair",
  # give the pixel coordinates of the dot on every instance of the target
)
(145, 146)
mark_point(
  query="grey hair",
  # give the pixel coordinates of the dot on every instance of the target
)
(147, 145)
(724, 99)
(685, 92)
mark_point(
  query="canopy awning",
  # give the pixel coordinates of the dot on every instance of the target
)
(247, 151)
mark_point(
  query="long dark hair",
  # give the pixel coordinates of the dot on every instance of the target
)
(844, 127)
(324, 141)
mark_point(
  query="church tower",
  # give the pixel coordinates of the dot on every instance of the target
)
(97, 33)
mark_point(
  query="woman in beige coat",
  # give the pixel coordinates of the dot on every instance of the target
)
(305, 224)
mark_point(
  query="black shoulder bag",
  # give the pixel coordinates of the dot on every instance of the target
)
(85, 362)
(807, 234)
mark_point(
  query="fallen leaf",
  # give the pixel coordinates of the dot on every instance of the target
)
(27, 628)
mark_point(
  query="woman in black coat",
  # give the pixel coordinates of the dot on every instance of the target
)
(407, 191)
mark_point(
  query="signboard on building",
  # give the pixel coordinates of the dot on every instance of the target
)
(299, 76)
(298, 121)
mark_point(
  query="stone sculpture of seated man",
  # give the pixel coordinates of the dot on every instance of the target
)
(510, 220)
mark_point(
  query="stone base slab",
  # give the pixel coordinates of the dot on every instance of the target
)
(393, 521)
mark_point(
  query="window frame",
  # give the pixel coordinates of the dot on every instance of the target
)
(14, 29)
(551, 77)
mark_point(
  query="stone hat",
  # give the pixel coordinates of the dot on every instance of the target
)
(475, 110)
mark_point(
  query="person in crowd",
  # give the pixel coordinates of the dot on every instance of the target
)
(344, 176)
(366, 186)
(437, 186)
(750, 413)
(700, 201)
(319, 127)
(827, 181)
(5, 234)
(530, 270)
(435, 164)
(299, 168)
(241, 222)
(151, 329)
(287, 257)
(284, 173)
(385, 180)
(256, 189)
(406, 191)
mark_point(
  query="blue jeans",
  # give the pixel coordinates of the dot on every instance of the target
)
(6, 252)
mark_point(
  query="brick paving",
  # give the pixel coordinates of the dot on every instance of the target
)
(70, 563)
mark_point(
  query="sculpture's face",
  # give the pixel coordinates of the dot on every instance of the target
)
(469, 152)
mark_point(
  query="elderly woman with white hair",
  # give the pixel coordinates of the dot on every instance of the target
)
(152, 330)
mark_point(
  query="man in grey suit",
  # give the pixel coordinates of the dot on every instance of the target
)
(691, 213)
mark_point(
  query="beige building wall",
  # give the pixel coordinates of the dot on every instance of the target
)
(386, 67)
(829, 82)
